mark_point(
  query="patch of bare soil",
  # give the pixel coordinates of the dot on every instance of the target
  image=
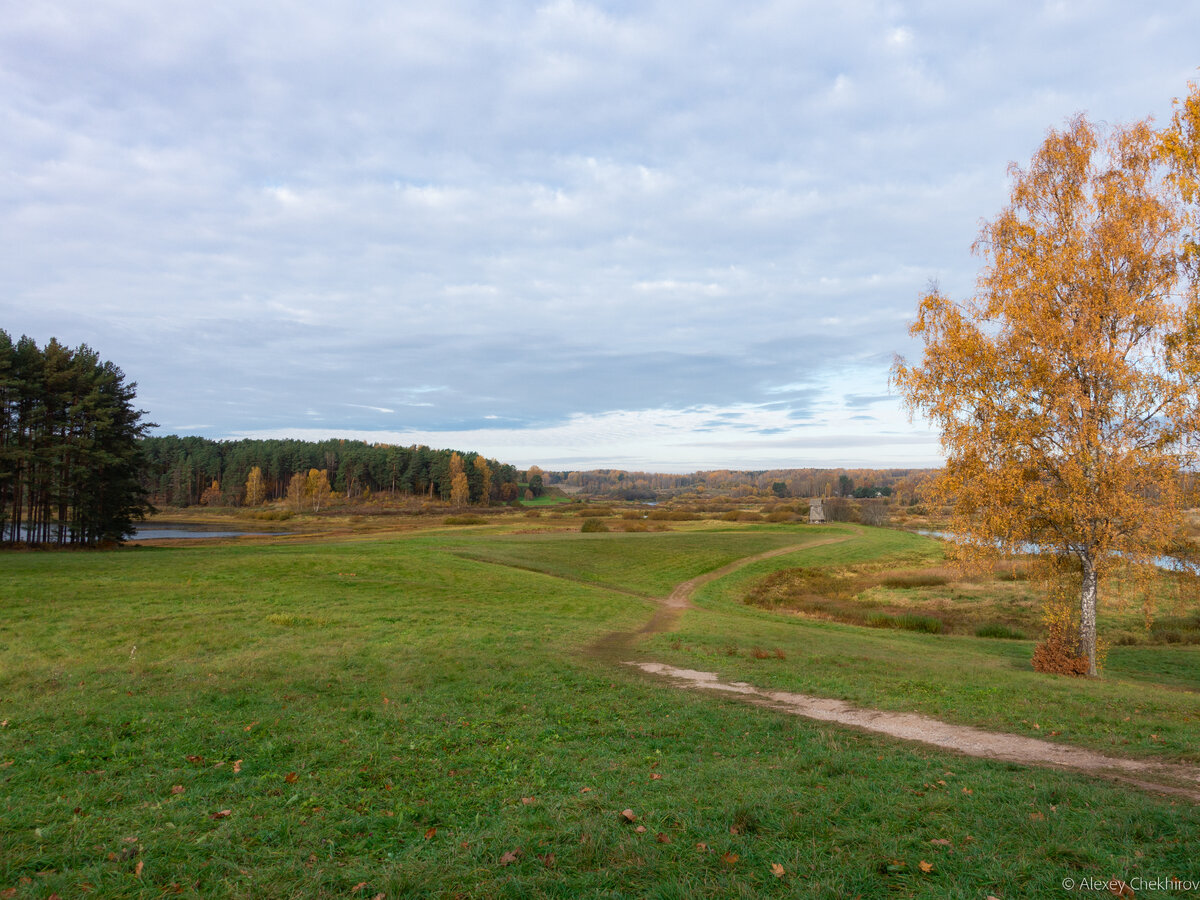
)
(1168, 778)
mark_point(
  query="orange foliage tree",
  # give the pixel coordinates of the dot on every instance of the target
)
(1066, 389)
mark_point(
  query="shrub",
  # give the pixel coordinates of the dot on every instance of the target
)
(906, 622)
(594, 511)
(465, 520)
(593, 526)
(996, 630)
(914, 581)
(781, 515)
(1059, 653)
(633, 514)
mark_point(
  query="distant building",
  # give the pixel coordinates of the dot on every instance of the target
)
(816, 512)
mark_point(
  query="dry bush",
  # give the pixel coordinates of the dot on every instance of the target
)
(781, 515)
(593, 526)
(1058, 653)
(634, 527)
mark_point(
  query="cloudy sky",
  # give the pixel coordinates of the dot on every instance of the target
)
(647, 235)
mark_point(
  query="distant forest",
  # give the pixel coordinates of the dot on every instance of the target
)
(184, 471)
(903, 484)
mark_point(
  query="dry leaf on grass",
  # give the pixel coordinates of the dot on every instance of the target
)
(641, 829)
(290, 777)
(777, 870)
(628, 815)
(940, 842)
(662, 838)
(177, 789)
(223, 814)
(430, 832)
(925, 867)
(730, 859)
(137, 870)
(510, 857)
(237, 766)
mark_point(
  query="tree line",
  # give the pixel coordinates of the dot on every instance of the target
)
(70, 454)
(185, 471)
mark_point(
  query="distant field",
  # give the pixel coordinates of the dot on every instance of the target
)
(416, 715)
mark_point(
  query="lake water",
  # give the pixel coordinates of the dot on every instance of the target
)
(1170, 563)
(165, 530)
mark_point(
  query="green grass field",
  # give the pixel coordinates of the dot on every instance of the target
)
(417, 716)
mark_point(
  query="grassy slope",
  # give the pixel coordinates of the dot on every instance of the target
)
(408, 689)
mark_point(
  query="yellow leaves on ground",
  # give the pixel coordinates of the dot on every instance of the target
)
(777, 870)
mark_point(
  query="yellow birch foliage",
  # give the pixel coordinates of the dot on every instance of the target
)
(316, 488)
(256, 489)
(295, 493)
(1066, 388)
(460, 490)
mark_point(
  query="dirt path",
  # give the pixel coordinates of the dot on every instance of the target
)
(1170, 778)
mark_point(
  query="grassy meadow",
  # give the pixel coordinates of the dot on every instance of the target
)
(418, 714)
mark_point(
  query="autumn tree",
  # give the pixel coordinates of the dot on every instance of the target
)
(460, 489)
(1066, 388)
(316, 488)
(296, 490)
(256, 490)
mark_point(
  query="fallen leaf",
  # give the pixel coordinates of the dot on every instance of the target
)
(8, 892)
(925, 867)
(941, 842)
(379, 896)
(641, 829)
(195, 759)
(510, 857)
(1036, 816)
(251, 725)
(1119, 888)
(968, 791)
(777, 870)
(132, 839)
(358, 887)
(663, 838)
(547, 860)
(223, 814)
(290, 777)
(137, 870)
(218, 765)
(654, 776)
(529, 801)
(177, 789)
(628, 815)
(585, 790)
(430, 832)
(734, 829)
(730, 859)
(4, 724)
(237, 766)
(703, 848)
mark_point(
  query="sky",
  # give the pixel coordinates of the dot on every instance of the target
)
(643, 235)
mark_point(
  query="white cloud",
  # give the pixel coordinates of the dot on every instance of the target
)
(549, 211)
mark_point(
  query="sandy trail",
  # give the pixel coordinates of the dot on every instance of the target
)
(1170, 778)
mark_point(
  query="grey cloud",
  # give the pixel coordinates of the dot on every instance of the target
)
(545, 208)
